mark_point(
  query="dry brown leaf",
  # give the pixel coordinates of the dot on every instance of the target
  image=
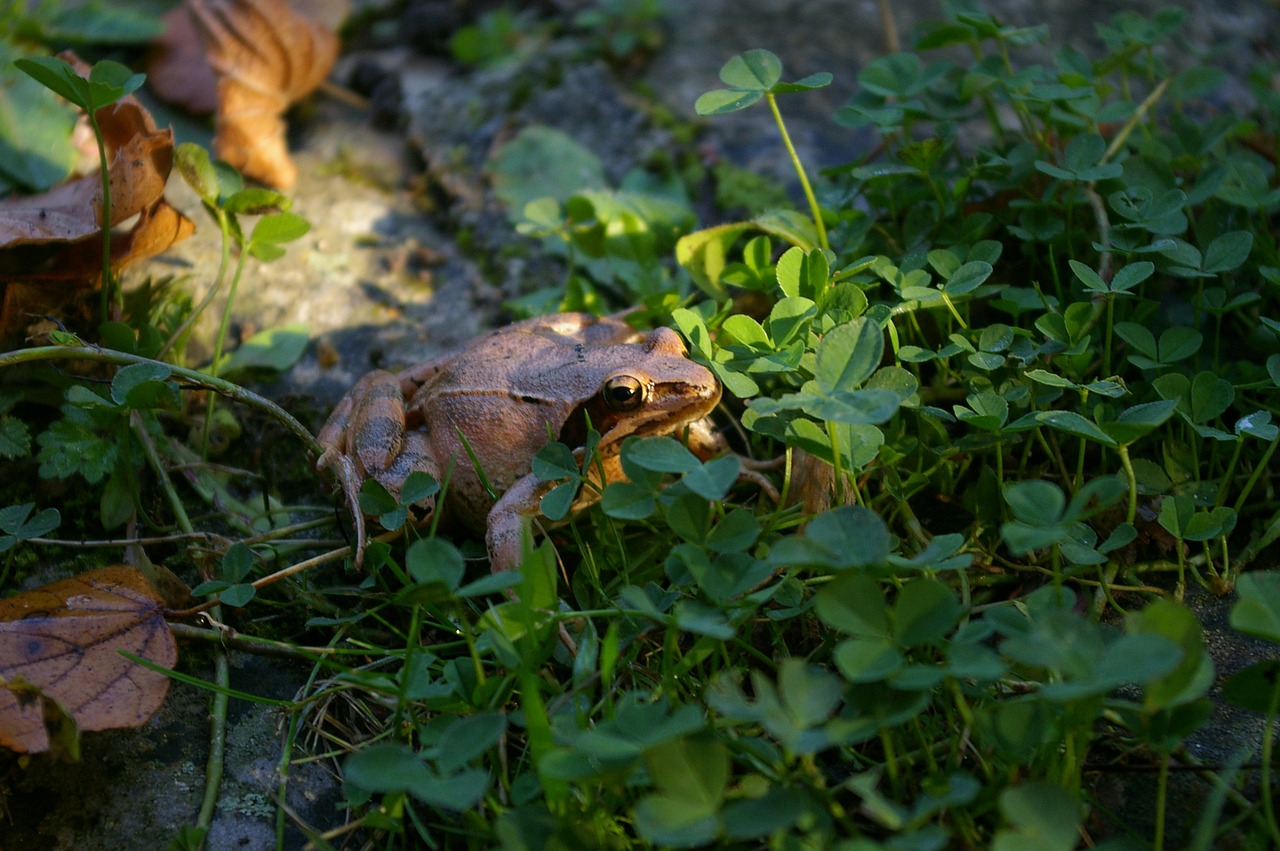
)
(140, 157)
(56, 236)
(61, 641)
(177, 71)
(265, 56)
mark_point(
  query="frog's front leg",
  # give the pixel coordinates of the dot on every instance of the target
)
(365, 436)
(504, 528)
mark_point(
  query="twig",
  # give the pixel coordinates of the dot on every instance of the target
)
(232, 640)
(324, 558)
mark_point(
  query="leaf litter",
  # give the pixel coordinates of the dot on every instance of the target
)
(61, 643)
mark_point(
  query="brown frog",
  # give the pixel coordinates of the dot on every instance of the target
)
(508, 393)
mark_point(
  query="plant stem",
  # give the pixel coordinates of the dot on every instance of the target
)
(217, 737)
(799, 167)
(1257, 471)
(1106, 336)
(1162, 794)
(224, 260)
(1132, 478)
(834, 437)
(191, 376)
(1268, 739)
(104, 169)
(218, 343)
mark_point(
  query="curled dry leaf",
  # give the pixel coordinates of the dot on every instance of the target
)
(177, 71)
(61, 642)
(56, 236)
(265, 57)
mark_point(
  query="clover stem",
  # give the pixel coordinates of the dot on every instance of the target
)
(1106, 337)
(1132, 478)
(218, 343)
(104, 169)
(1162, 794)
(799, 167)
(955, 313)
(834, 437)
(1268, 739)
(222, 671)
(1263, 464)
(224, 260)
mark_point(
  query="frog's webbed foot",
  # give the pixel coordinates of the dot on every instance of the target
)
(752, 471)
(344, 470)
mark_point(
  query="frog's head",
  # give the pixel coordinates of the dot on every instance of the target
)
(655, 390)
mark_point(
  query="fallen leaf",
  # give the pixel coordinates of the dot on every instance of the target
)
(265, 57)
(56, 236)
(140, 157)
(63, 640)
(177, 70)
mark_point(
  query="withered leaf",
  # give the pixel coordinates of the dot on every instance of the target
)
(56, 236)
(140, 157)
(177, 71)
(63, 640)
(265, 57)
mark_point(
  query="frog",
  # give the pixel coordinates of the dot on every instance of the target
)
(479, 416)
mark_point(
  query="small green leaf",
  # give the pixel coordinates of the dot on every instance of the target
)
(925, 611)
(384, 767)
(238, 595)
(1035, 501)
(275, 349)
(133, 377)
(627, 501)
(1257, 609)
(713, 479)
(848, 354)
(735, 533)
(57, 76)
(660, 454)
(754, 69)
(1254, 687)
(1131, 275)
(857, 534)
(814, 81)
(468, 737)
(417, 487)
(374, 498)
(1227, 252)
(556, 503)
(15, 438)
(236, 564)
(253, 201)
(435, 560)
(854, 604)
(555, 461)
(868, 660)
(1258, 424)
(279, 227)
(1042, 816)
(724, 101)
(967, 278)
(1091, 280)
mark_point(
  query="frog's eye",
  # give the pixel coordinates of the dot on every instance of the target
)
(623, 392)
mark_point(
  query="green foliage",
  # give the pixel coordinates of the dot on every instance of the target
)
(497, 36)
(620, 30)
(1031, 347)
(1041, 300)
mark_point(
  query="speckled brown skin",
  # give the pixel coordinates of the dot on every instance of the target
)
(505, 393)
